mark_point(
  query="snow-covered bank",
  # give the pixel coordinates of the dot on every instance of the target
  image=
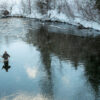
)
(74, 12)
(74, 21)
(63, 18)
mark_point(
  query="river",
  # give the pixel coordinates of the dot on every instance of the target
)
(49, 61)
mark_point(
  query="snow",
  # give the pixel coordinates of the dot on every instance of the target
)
(88, 24)
(35, 15)
(16, 10)
(71, 11)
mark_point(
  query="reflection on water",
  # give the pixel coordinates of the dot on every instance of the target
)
(6, 68)
(49, 61)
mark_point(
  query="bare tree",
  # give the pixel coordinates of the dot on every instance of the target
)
(26, 6)
(43, 6)
(29, 6)
(4, 9)
(23, 6)
(62, 6)
(4, 5)
(87, 10)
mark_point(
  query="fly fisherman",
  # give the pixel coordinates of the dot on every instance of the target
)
(5, 57)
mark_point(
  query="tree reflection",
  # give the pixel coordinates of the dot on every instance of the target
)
(44, 48)
(92, 65)
(77, 49)
(47, 85)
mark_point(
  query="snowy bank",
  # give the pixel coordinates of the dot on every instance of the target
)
(75, 12)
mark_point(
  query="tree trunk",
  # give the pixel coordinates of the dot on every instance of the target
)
(29, 3)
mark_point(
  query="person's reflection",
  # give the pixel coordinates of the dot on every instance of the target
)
(6, 67)
(6, 61)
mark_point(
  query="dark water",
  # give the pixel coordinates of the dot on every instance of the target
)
(49, 61)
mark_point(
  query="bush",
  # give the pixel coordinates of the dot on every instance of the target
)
(6, 12)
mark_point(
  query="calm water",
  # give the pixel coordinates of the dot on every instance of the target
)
(49, 61)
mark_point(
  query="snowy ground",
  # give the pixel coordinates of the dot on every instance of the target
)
(72, 15)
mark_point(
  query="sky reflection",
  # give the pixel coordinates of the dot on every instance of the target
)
(31, 72)
(48, 64)
(24, 96)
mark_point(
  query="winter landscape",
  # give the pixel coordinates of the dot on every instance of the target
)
(50, 50)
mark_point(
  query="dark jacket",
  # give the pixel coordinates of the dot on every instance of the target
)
(5, 56)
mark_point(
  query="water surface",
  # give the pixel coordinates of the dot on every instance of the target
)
(49, 61)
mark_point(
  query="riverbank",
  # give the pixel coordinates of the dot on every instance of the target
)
(80, 24)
